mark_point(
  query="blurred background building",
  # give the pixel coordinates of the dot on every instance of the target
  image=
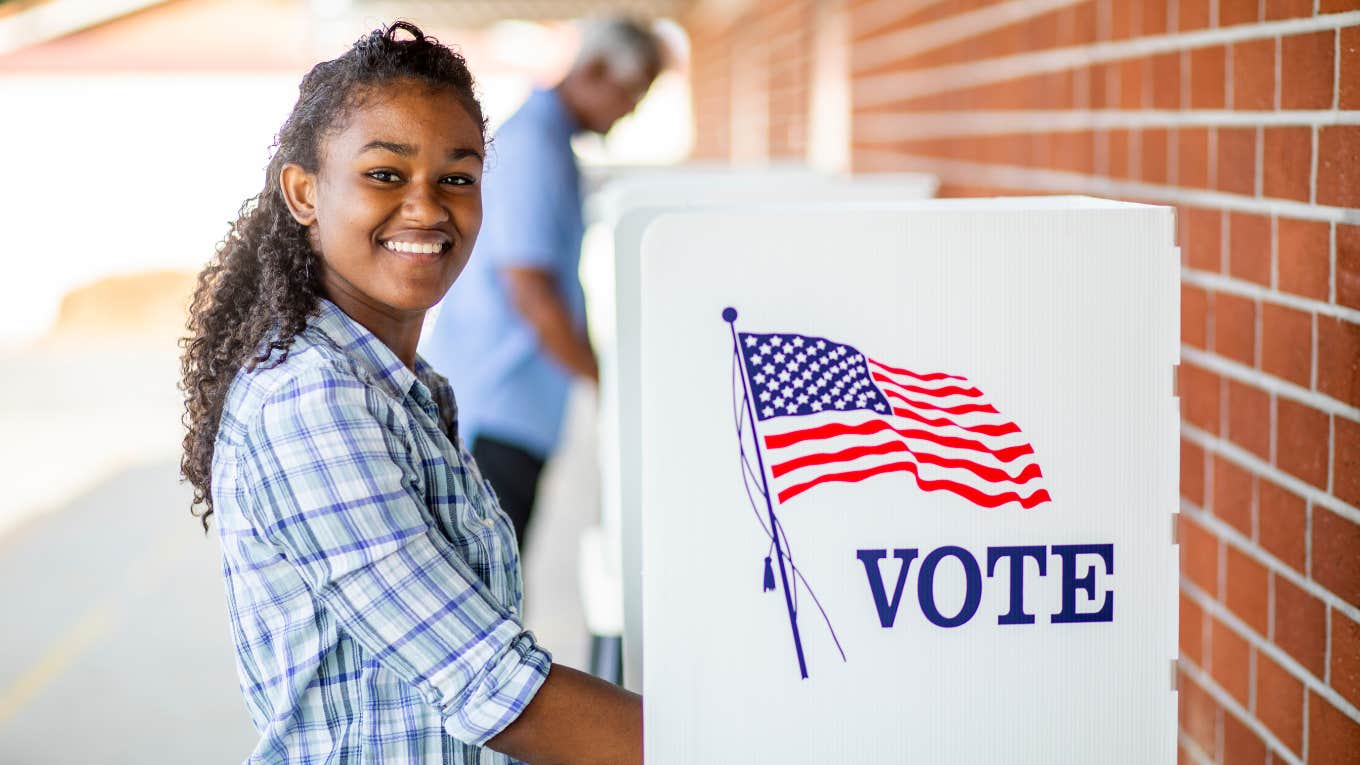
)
(134, 129)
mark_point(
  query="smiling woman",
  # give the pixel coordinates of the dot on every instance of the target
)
(373, 581)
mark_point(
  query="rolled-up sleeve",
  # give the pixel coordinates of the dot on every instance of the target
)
(337, 491)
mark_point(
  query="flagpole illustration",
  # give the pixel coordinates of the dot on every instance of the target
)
(730, 316)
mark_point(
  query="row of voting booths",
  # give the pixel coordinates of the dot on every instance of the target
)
(885, 478)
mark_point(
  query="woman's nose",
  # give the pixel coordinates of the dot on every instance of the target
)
(423, 206)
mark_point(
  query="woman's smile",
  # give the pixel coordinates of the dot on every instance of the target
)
(424, 246)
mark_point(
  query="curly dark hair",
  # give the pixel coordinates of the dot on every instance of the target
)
(256, 294)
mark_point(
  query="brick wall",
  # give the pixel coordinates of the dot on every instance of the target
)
(1245, 115)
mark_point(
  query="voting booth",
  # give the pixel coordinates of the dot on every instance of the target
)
(907, 481)
(626, 208)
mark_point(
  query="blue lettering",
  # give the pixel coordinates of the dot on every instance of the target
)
(887, 609)
(1071, 583)
(1017, 556)
(925, 587)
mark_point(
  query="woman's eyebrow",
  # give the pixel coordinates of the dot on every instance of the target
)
(403, 149)
(456, 154)
(407, 150)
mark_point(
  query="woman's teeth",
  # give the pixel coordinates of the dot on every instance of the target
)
(414, 248)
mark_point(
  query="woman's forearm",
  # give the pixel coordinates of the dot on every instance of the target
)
(574, 719)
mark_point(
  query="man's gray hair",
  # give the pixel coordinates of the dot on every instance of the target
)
(631, 52)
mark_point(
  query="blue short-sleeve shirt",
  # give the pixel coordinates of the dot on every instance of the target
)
(508, 387)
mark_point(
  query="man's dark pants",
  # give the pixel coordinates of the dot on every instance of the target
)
(513, 473)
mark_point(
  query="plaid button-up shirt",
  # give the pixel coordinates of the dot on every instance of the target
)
(372, 580)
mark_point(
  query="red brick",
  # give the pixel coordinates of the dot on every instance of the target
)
(1287, 343)
(1348, 265)
(1247, 586)
(1345, 669)
(1333, 736)
(1233, 12)
(1287, 162)
(1207, 77)
(1233, 495)
(1192, 157)
(1204, 241)
(1154, 156)
(1301, 441)
(1236, 161)
(1338, 6)
(1118, 154)
(1302, 252)
(1249, 418)
(1301, 626)
(1199, 555)
(1165, 71)
(1230, 657)
(1192, 630)
(1192, 472)
(1306, 69)
(1240, 744)
(1235, 327)
(1287, 9)
(1123, 21)
(1279, 702)
(1194, 316)
(1249, 247)
(1335, 563)
(1199, 714)
(1098, 81)
(1282, 517)
(1253, 70)
(1074, 152)
(1200, 397)
(1131, 83)
(1192, 14)
(1349, 93)
(1338, 174)
(1346, 460)
(1339, 359)
(1155, 19)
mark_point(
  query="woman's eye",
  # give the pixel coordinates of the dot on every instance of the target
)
(385, 176)
(459, 180)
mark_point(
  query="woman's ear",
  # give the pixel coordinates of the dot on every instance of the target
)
(299, 192)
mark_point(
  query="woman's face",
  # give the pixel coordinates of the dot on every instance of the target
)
(396, 203)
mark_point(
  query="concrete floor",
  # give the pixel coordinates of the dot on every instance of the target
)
(115, 647)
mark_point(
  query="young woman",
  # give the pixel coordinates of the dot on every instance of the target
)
(372, 580)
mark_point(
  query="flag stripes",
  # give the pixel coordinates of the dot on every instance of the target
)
(829, 414)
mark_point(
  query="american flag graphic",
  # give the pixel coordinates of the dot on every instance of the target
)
(828, 413)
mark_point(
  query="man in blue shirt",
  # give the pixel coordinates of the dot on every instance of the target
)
(511, 335)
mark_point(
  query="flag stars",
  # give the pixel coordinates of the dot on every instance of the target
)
(767, 411)
(751, 341)
(797, 342)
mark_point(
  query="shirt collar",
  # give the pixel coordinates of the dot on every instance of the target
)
(364, 347)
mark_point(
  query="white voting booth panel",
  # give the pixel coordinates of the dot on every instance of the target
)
(908, 484)
(629, 206)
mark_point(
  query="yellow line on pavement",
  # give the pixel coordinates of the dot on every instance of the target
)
(93, 626)
(139, 579)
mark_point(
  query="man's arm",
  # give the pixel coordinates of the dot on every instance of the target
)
(533, 292)
(575, 718)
